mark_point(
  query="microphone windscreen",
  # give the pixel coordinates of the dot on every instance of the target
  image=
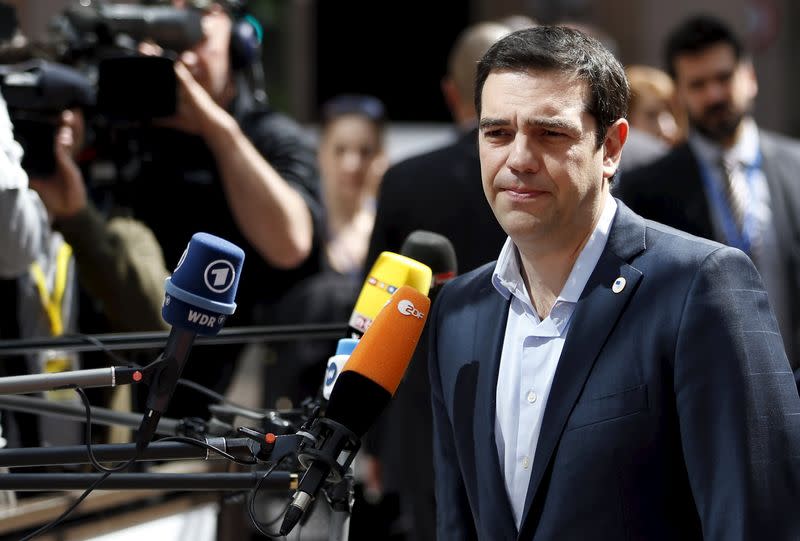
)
(201, 292)
(388, 274)
(371, 376)
(434, 250)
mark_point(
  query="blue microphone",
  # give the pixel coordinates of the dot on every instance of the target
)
(199, 297)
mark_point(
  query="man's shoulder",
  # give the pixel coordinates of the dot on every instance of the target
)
(788, 145)
(471, 284)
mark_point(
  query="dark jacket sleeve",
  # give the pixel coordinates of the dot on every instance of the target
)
(120, 264)
(737, 405)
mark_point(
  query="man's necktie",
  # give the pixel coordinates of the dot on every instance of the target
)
(738, 196)
(736, 190)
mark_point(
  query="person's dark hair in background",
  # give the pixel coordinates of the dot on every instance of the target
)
(732, 181)
(697, 35)
(360, 104)
(608, 88)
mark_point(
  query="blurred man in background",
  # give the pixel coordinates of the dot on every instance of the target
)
(732, 181)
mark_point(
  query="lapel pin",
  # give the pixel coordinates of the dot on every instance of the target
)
(618, 285)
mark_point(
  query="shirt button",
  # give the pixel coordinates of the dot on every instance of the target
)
(531, 397)
(526, 462)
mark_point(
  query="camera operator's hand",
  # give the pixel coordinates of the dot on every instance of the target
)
(64, 194)
(197, 112)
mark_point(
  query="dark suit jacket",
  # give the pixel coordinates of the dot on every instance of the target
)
(672, 415)
(670, 191)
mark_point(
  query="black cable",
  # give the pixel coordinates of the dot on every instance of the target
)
(123, 466)
(185, 382)
(69, 510)
(102, 347)
(262, 526)
(106, 471)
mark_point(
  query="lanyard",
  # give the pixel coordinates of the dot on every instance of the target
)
(51, 301)
(733, 237)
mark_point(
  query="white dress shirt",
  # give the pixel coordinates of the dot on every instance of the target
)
(531, 349)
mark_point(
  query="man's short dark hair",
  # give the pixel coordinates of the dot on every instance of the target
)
(566, 50)
(697, 34)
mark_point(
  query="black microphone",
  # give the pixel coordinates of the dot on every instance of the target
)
(199, 297)
(366, 385)
(435, 251)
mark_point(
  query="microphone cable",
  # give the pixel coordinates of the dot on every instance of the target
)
(251, 506)
(107, 471)
(185, 382)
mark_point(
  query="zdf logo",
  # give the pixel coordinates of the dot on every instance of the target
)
(219, 275)
(407, 308)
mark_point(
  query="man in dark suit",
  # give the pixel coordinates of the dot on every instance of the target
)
(608, 377)
(691, 187)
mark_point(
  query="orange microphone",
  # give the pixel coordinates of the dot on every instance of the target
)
(367, 383)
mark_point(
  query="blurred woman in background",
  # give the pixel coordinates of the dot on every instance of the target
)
(351, 161)
(653, 107)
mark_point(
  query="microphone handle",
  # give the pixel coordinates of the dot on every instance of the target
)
(174, 358)
(172, 361)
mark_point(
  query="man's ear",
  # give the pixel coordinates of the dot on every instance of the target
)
(616, 135)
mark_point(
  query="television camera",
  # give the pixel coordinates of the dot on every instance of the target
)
(95, 66)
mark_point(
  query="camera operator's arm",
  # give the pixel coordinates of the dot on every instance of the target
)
(25, 226)
(119, 261)
(271, 214)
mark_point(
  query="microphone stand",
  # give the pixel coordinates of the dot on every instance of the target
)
(94, 377)
(101, 416)
(276, 481)
(156, 339)
(255, 446)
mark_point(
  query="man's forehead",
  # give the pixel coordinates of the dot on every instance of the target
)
(718, 55)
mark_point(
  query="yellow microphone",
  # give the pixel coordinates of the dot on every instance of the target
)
(390, 272)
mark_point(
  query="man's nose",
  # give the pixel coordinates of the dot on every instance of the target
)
(522, 156)
(716, 92)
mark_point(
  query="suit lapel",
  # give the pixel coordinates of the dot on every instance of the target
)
(488, 332)
(595, 316)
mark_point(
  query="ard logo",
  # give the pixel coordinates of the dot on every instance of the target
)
(219, 275)
(331, 374)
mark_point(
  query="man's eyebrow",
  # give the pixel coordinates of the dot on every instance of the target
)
(493, 122)
(553, 123)
(541, 122)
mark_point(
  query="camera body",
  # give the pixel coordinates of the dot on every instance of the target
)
(102, 74)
